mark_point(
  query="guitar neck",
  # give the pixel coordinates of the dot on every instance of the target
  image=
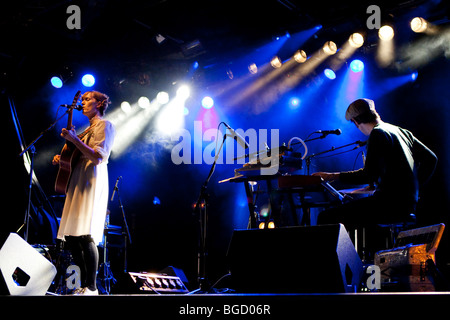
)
(74, 103)
(69, 119)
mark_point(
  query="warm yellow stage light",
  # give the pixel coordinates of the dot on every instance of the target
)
(419, 24)
(329, 48)
(276, 62)
(252, 68)
(386, 33)
(300, 56)
(356, 40)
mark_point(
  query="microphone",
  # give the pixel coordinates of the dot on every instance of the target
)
(327, 132)
(236, 136)
(361, 143)
(116, 187)
(78, 107)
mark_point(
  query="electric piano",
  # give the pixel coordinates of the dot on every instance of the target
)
(285, 191)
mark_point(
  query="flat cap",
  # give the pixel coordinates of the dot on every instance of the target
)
(359, 107)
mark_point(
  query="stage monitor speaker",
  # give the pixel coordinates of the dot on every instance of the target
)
(23, 270)
(294, 259)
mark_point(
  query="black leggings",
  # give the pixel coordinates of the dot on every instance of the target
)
(85, 255)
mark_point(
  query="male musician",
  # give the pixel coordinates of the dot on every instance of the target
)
(397, 164)
(83, 217)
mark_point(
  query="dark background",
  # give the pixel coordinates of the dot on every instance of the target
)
(117, 44)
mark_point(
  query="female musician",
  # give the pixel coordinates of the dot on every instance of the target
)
(83, 217)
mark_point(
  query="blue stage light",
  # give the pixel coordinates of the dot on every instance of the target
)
(357, 65)
(56, 82)
(207, 102)
(294, 102)
(329, 74)
(88, 80)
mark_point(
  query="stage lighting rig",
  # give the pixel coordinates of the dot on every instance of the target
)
(330, 74)
(386, 33)
(144, 102)
(56, 82)
(207, 102)
(162, 97)
(356, 40)
(357, 66)
(420, 25)
(88, 80)
(252, 68)
(276, 62)
(329, 48)
(300, 56)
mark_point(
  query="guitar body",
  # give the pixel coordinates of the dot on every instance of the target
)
(69, 156)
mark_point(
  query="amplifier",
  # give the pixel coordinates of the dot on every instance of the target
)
(158, 283)
(411, 264)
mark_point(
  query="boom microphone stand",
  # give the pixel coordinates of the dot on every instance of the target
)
(201, 205)
(309, 158)
(30, 185)
(127, 234)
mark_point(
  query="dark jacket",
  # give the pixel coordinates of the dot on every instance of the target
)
(397, 163)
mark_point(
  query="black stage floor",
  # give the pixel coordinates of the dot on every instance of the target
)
(224, 306)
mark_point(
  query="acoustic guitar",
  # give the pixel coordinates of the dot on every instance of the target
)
(69, 155)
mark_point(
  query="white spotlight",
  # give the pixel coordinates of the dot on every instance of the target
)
(144, 102)
(162, 97)
(386, 33)
(183, 92)
(125, 106)
(171, 117)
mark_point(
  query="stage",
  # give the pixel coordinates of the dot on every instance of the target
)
(228, 134)
(244, 306)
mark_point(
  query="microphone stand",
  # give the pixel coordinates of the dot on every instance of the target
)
(201, 205)
(32, 149)
(308, 158)
(128, 236)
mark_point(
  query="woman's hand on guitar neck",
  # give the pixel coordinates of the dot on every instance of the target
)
(69, 135)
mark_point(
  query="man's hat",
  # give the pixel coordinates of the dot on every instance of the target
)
(359, 107)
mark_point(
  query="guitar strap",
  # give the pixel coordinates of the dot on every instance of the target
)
(84, 133)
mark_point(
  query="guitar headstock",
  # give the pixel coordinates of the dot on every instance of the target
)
(73, 106)
(76, 98)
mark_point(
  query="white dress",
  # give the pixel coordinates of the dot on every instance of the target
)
(86, 202)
